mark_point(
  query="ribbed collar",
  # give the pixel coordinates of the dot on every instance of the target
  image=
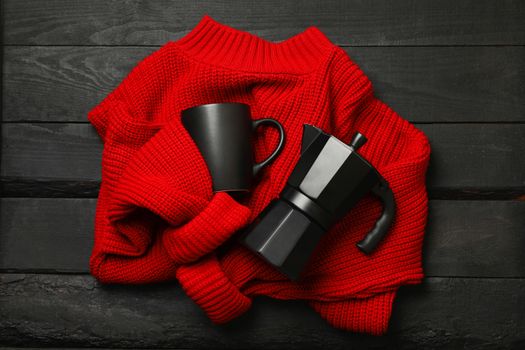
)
(219, 44)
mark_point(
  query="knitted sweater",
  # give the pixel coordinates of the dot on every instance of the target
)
(158, 219)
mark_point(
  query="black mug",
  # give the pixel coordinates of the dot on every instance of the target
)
(223, 132)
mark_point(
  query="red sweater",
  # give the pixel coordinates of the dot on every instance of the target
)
(157, 218)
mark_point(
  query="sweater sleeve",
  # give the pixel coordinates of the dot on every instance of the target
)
(168, 177)
(400, 152)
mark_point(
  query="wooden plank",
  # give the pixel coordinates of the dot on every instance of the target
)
(75, 311)
(463, 238)
(475, 238)
(380, 22)
(51, 151)
(62, 83)
(476, 155)
(430, 84)
(464, 156)
(448, 84)
(46, 234)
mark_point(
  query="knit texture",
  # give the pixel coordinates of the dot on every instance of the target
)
(158, 219)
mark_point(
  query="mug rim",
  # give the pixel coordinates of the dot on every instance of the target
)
(208, 105)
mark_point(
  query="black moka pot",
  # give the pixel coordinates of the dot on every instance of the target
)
(327, 181)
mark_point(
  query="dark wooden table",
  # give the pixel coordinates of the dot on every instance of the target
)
(455, 68)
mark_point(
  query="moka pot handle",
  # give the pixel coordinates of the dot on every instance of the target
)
(372, 239)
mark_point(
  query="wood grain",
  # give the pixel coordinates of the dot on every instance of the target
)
(464, 156)
(75, 311)
(463, 238)
(62, 83)
(378, 22)
(423, 84)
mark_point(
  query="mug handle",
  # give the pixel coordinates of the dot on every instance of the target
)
(256, 123)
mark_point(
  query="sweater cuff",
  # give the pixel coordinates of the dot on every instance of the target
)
(222, 217)
(208, 286)
(155, 265)
(369, 315)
